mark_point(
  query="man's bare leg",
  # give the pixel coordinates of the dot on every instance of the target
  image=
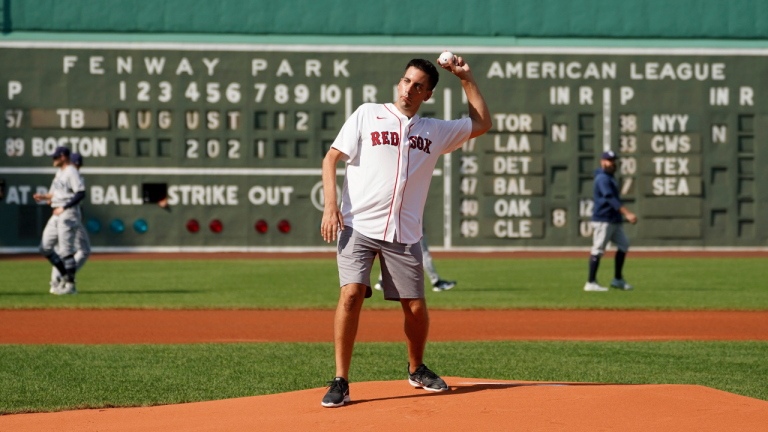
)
(345, 323)
(416, 329)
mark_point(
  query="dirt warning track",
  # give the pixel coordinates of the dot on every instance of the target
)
(471, 404)
(105, 326)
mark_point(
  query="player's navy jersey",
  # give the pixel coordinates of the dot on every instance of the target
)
(390, 159)
(606, 198)
(65, 185)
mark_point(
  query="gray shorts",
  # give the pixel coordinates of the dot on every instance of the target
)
(604, 232)
(401, 265)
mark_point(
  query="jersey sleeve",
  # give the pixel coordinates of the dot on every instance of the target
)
(348, 140)
(454, 133)
(75, 181)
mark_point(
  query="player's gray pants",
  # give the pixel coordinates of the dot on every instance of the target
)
(604, 232)
(427, 261)
(83, 245)
(60, 232)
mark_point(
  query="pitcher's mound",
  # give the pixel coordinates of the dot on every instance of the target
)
(471, 405)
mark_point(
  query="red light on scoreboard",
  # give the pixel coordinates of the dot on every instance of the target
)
(216, 226)
(261, 226)
(284, 226)
(193, 226)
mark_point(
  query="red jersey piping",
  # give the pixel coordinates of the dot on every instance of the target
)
(394, 192)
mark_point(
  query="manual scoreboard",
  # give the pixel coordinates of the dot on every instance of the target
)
(219, 147)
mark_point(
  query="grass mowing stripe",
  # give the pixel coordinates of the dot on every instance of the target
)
(54, 377)
(681, 283)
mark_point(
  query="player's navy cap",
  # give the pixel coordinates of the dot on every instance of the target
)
(609, 155)
(61, 151)
(76, 159)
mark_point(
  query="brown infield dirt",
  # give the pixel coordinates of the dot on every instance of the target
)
(105, 326)
(471, 405)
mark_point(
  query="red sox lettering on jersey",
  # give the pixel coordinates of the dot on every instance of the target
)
(392, 138)
(390, 160)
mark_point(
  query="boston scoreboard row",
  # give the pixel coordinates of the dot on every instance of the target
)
(206, 147)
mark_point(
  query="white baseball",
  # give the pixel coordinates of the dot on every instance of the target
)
(444, 57)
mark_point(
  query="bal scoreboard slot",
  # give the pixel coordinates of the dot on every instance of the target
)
(219, 147)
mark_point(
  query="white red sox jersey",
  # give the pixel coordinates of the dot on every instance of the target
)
(390, 159)
(66, 183)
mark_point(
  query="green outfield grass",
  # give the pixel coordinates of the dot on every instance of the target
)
(55, 377)
(704, 283)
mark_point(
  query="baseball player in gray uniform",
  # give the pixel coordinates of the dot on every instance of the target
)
(65, 193)
(391, 154)
(82, 242)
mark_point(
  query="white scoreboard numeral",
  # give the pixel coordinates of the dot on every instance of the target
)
(468, 165)
(213, 148)
(281, 93)
(469, 228)
(212, 91)
(233, 92)
(143, 95)
(585, 207)
(301, 93)
(14, 147)
(301, 121)
(234, 149)
(192, 146)
(469, 207)
(165, 92)
(192, 93)
(260, 89)
(628, 123)
(13, 118)
(468, 185)
(628, 165)
(559, 217)
(628, 144)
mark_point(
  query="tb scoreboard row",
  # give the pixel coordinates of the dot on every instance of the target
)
(195, 145)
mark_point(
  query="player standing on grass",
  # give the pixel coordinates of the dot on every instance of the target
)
(606, 224)
(390, 154)
(66, 192)
(82, 242)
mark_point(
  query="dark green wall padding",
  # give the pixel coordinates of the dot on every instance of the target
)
(712, 19)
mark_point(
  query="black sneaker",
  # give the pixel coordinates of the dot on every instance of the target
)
(426, 379)
(338, 393)
(443, 285)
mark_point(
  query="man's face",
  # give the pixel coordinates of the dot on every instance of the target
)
(609, 165)
(57, 162)
(413, 89)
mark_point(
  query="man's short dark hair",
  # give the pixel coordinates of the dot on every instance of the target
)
(428, 68)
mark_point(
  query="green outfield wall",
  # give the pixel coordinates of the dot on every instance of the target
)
(723, 19)
(224, 111)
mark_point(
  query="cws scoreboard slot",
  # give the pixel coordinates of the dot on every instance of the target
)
(187, 146)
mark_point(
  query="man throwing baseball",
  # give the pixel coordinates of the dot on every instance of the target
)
(606, 224)
(390, 154)
(66, 192)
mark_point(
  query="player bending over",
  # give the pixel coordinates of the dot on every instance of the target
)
(437, 283)
(66, 192)
(390, 154)
(82, 242)
(606, 224)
